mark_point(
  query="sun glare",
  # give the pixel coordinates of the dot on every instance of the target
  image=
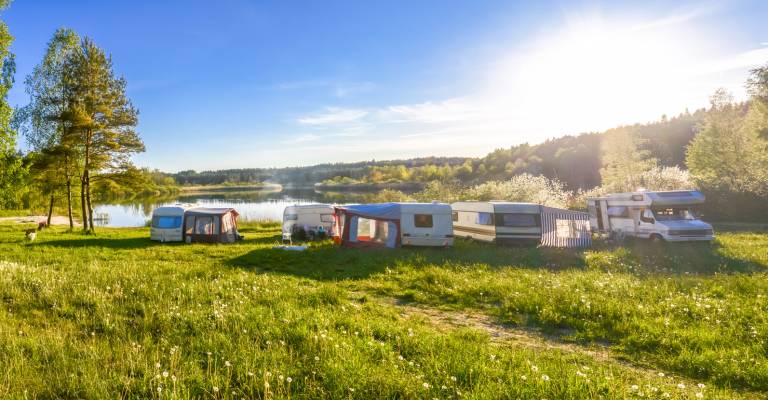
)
(598, 74)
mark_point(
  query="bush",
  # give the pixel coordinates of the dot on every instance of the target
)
(523, 188)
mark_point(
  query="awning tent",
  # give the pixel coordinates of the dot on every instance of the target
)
(211, 225)
(368, 225)
(564, 228)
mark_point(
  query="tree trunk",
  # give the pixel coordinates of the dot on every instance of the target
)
(50, 211)
(88, 199)
(83, 204)
(69, 203)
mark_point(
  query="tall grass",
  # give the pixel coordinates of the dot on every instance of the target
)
(117, 316)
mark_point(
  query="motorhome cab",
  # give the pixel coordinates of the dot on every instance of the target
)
(394, 225)
(166, 224)
(311, 218)
(497, 221)
(670, 216)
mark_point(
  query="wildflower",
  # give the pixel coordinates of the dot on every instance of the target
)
(534, 368)
(634, 387)
(165, 374)
(443, 387)
(523, 377)
(281, 377)
(159, 389)
(266, 384)
(317, 358)
(544, 378)
(426, 385)
(216, 389)
(681, 386)
(173, 378)
(227, 364)
(581, 374)
(699, 395)
(157, 365)
(493, 357)
(661, 374)
(289, 379)
(700, 385)
(453, 378)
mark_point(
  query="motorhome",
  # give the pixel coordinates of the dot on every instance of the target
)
(166, 224)
(394, 225)
(660, 216)
(311, 220)
(505, 222)
(497, 221)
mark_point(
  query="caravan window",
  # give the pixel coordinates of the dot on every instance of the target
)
(326, 217)
(166, 222)
(291, 217)
(517, 220)
(455, 216)
(674, 214)
(484, 218)
(422, 220)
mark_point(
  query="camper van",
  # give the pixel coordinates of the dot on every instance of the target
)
(312, 219)
(166, 224)
(498, 221)
(394, 225)
(660, 216)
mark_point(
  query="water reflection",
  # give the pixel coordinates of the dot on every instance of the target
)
(252, 206)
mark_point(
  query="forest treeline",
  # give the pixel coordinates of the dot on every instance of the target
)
(575, 161)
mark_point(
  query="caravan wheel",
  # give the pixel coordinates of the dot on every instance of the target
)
(656, 239)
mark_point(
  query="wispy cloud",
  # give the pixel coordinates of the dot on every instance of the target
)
(333, 116)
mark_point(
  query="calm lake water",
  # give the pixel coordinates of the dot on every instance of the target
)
(252, 206)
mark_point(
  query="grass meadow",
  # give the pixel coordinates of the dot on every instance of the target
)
(114, 315)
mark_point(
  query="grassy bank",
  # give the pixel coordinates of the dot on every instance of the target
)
(115, 315)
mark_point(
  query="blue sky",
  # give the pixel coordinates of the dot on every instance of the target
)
(237, 84)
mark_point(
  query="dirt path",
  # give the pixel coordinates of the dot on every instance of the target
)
(531, 338)
(36, 219)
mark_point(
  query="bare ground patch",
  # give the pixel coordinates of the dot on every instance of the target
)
(531, 338)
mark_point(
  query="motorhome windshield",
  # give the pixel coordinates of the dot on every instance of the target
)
(674, 214)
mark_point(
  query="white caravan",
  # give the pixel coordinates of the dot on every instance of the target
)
(166, 224)
(660, 216)
(311, 218)
(498, 221)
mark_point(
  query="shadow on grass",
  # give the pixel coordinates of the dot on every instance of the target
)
(323, 261)
(106, 242)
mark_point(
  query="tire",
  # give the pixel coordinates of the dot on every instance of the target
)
(656, 239)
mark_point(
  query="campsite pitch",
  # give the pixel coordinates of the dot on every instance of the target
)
(115, 315)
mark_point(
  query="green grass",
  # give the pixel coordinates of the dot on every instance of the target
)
(117, 316)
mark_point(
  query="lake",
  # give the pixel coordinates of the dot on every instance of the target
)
(252, 206)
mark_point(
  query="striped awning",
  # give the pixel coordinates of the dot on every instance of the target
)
(564, 228)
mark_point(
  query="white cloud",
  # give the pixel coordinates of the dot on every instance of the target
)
(333, 116)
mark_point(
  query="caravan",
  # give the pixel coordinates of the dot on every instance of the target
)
(506, 222)
(166, 224)
(659, 216)
(497, 221)
(307, 220)
(394, 225)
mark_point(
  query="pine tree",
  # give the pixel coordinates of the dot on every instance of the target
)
(100, 118)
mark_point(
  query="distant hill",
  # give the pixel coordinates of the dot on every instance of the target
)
(574, 160)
